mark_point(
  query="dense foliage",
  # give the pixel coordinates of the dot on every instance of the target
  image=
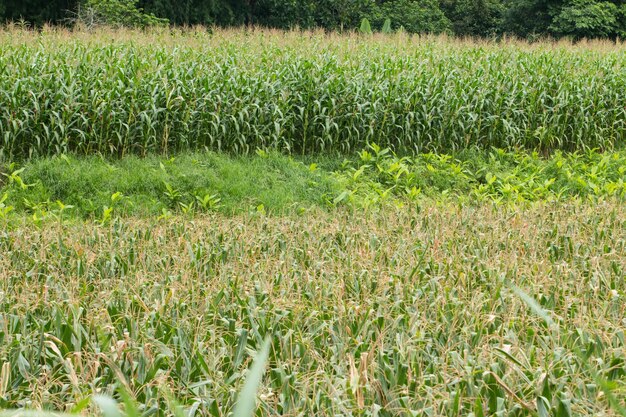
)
(302, 93)
(397, 312)
(155, 186)
(574, 18)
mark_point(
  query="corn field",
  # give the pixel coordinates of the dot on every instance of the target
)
(116, 93)
(395, 314)
(250, 222)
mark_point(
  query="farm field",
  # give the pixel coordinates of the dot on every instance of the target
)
(419, 226)
(128, 93)
(402, 312)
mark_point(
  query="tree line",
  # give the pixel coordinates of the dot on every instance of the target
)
(485, 18)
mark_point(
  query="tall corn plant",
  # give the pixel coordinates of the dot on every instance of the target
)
(302, 94)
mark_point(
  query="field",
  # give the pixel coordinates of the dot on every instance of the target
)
(302, 93)
(403, 312)
(416, 226)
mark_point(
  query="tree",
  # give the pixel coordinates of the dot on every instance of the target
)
(474, 17)
(575, 18)
(529, 17)
(386, 26)
(525, 18)
(286, 14)
(621, 23)
(37, 12)
(416, 16)
(185, 12)
(342, 14)
(115, 13)
(587, 18)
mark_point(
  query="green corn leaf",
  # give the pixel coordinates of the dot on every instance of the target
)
(107, 405)
(533, 305)
(246, 403)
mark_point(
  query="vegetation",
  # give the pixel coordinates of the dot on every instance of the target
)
(487, 18)
(189, 184)
(302, 93)
(114, 13)
(253, 222)
(404, 311)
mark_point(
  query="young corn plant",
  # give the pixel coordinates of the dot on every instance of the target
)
(108, 211)
(172, 194)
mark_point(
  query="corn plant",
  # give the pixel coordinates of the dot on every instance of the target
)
(407, 311)
(302, 93)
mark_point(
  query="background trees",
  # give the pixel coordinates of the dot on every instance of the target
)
(413, 16)
(474, 17)
(574, 18)
(37, 11)
(589, 18)
(525, 18)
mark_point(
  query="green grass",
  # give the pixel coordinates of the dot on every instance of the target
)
(190, 183)
(148, 186)
(401, 312)
(119, 93)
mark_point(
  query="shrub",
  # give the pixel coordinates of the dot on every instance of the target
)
(116, 13)
(415, 17)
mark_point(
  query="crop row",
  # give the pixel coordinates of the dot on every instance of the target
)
(397, 313)
(303, 94)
